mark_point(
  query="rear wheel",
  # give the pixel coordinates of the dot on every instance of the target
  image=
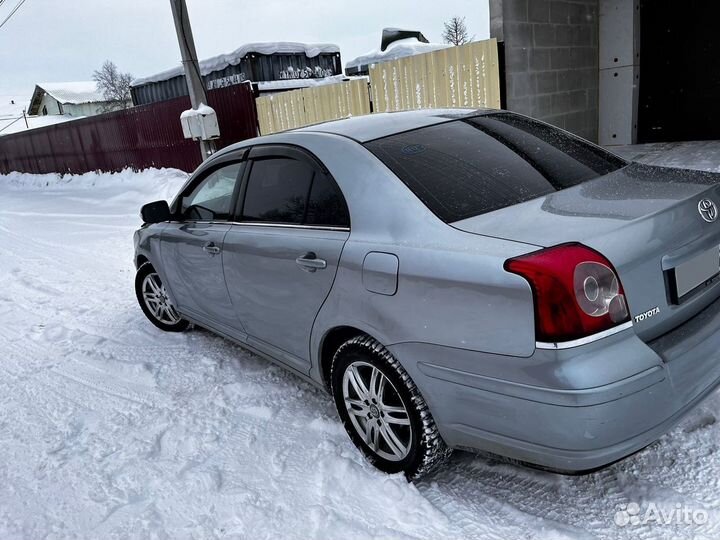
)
(154, 301)
(383, 411)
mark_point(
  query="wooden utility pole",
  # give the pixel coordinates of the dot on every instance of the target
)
(195, 85)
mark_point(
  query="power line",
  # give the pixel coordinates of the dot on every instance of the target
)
(11, 123)
(20, 3)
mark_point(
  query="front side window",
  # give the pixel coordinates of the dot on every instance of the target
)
(464, 168)
(287, 190)
(211, 199)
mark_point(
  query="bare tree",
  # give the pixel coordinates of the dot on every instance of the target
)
(456, 31)
(114, 85)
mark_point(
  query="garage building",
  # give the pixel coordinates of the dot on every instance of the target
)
(614, 71)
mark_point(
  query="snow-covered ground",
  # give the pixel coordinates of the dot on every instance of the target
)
(11, 115)
(703, 155)
(11, 108)
(110, 428)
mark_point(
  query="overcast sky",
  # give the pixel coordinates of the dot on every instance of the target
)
(53, 41)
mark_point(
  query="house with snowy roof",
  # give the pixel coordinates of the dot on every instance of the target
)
(74, 99)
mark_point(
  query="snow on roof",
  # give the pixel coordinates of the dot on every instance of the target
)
(11, 111)
(220, 62)
(73, 92)
(397, 49)
(12, 105)
(292, 84)
(16, 125)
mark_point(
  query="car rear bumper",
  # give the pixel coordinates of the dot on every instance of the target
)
(568, 423)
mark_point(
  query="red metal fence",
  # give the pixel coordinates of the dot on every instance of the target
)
(140, 137)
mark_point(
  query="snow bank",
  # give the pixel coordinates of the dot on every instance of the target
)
(220, 62)
(164, 183)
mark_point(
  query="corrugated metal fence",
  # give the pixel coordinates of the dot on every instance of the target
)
(151, 136)
(464, 76)
(140, 137)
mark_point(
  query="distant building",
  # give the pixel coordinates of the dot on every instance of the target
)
(74, 99)
(255, 62)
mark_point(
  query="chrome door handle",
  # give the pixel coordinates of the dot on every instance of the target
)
(211, 248)
(310, 263)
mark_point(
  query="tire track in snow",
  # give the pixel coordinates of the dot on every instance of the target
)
(108, 384)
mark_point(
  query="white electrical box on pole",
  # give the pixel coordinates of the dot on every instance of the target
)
(200, 122)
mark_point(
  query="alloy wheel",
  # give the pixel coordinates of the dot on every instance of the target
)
(157, 301)
(377, 411)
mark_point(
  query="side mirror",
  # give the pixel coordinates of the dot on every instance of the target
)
(155, 212)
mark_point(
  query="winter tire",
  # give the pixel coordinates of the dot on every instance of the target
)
(382, 410)
(154, 301)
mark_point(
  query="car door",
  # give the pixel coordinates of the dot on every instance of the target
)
(282, 253)
(192, 247)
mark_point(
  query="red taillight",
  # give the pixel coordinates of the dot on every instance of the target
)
(576, 290)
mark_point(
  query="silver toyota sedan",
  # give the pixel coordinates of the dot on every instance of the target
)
(454, 278)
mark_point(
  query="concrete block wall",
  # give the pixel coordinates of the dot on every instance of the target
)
(619, 54)
(551, 60)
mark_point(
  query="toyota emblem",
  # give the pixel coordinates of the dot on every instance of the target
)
(708, 210)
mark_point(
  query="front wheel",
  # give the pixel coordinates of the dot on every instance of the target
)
(382, 410)
(154, 301)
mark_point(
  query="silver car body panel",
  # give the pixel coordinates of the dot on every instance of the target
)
(275, 300)
(184, 261)
(438, 297)
(643, 219)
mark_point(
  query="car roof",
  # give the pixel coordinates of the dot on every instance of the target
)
(377, 125)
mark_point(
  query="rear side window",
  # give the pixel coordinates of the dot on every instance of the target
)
(468, 167)
(326, 205)
(287, 190)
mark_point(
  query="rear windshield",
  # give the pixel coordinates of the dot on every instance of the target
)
(468, 167)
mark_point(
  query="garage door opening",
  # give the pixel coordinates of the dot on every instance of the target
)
(680, 71)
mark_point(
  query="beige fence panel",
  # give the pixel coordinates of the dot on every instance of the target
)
(334, 101)
(297, 108)
(280, 112)
(266, 120)
(464, 76)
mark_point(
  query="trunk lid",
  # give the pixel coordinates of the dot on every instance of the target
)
(646, 221)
